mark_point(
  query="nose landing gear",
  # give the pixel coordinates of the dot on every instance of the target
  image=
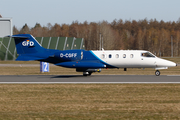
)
(157, 73)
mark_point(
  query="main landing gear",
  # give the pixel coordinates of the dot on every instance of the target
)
(87, 73)
(157, 73)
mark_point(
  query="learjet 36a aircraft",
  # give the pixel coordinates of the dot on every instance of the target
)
(29, 49)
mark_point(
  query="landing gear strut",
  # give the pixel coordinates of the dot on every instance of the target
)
(157, 73)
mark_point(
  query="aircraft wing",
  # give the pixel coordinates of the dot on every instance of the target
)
(81, 65)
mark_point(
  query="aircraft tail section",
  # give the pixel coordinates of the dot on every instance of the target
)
(28, 48)
(26, 44)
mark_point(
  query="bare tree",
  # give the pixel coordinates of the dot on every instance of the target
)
(144, 34)
(15, 30)
(25, 29)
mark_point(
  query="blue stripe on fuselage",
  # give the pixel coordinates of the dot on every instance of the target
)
(90, 56)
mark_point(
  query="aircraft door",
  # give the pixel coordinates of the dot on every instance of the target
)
(81, 55)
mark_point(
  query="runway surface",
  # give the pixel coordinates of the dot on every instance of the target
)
(50, 79)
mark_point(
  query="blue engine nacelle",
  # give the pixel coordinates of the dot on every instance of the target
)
(69, 55)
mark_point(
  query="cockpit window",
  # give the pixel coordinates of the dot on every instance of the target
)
(147, 54)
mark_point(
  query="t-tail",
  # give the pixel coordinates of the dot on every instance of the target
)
(28, 48)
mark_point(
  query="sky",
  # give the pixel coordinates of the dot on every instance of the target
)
(31, 12)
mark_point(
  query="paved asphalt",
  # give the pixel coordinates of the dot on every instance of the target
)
(90, 79)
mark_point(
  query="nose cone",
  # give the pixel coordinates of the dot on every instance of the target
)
(172, 64)
(165, 63)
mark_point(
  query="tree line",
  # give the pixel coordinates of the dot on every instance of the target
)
(151, 35)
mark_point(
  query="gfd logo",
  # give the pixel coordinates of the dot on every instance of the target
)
(28, 43)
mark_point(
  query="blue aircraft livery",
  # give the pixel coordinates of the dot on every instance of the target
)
(27, 43)
(28, 49)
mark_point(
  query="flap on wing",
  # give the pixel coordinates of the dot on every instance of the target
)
(81, 65)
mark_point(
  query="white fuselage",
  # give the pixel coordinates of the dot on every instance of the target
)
(133, 59)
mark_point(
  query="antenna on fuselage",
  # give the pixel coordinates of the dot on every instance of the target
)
(101, 42)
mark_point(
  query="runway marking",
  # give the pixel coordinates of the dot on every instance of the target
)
(173, 75)
(89, 82)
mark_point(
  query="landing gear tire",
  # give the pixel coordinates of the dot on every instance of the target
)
(90, 73)
(157, 73)
(87, 73)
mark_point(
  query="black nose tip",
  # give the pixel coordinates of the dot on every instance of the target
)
(176, 64)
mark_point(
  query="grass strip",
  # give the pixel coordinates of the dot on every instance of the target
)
(93, 101)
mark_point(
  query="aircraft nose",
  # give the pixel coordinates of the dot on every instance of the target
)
(172, 64)
(165, 63)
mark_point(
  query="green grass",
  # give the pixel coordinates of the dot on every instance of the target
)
(92, 101)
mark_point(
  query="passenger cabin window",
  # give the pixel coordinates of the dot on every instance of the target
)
(131, 56)
(110, 56)
(117, 55)
(103, 56)
(124, 55)
(147, 54)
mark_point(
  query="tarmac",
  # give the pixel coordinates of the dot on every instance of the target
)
(93, 79)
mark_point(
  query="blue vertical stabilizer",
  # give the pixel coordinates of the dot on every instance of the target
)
(26, 44)
(28, 48)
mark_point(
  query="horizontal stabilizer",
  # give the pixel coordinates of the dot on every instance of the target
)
(16, 36)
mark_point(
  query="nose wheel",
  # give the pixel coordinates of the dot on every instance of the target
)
(157, 73)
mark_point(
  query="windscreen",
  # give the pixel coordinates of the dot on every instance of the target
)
(147, 54)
